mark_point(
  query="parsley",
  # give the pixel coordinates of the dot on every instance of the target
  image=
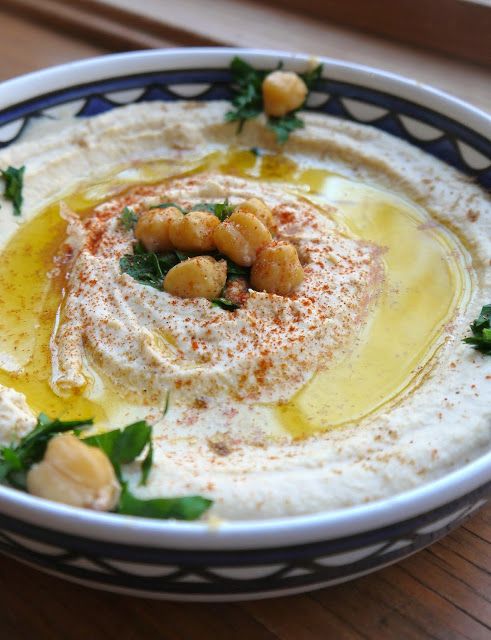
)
(481, 331)
(14, 182)
(235, 270)
(312, 77)
(225, 304)
(166, 205)
(186, 508)
(248, 98)
(16, 460)
(149, 268)
(147, 464)
(128, 219)
(122, 447)
(221, 210)
(284, 126)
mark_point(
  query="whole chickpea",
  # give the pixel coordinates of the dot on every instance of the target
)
(74, 473)
(283, 91)
(200, 277)
(194, 231)
(241, 236)
(259, 209)
(153, 226)
(277, 269)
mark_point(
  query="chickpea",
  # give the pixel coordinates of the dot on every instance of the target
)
(74, 473)
(277, 269)
(153, 226)
(194, 231)
(259, 209)
(241, 236)
(283, 91)
(200, 277)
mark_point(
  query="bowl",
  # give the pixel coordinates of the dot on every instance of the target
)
(249, 559)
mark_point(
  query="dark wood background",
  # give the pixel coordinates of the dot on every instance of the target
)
(443, 592)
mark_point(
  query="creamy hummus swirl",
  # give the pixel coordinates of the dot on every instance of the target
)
(148, 342)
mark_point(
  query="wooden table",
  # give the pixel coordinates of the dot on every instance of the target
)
(443, 592)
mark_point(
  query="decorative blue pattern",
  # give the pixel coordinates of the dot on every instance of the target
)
(155, 86)
(218, 573)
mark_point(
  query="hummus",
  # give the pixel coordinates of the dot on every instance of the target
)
(354, 388)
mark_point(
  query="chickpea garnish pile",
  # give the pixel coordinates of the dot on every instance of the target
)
(244, 237)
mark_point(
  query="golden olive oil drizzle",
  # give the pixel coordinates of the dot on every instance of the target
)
(426, 280)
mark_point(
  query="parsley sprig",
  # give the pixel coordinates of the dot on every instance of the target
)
(128, 219)
(121, 446)
(248, 98)
(16, 460)
(481, 331)
(14, 183)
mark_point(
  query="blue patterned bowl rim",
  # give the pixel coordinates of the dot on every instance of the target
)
(29, 94)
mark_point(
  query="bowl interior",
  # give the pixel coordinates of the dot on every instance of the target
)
(440, 125)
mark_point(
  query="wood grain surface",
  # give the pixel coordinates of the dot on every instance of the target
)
(443, 592)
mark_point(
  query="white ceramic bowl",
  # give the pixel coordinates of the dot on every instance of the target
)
(189, 561)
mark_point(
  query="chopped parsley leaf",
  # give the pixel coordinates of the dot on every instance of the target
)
(16, 460)
(481, 331)
(128, 219)
(284, 126)
(248, 99)
(148, 268)
(124, 446)
(121, 446)
(14, 182)
(225, 304)
(185, 508)
(221, 210)
(166, 205)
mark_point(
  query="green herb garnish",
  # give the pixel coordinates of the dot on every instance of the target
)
(221, 210)
(124, 446)
(149, 268)
(236, 271)
(225, 304)
(312, 77)
(128, 219)
(16, 460)
(481, 331)
(166, 205)
(285, 125)
(186, 508)
(121, 446)
(14, 182)
(248, 98)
